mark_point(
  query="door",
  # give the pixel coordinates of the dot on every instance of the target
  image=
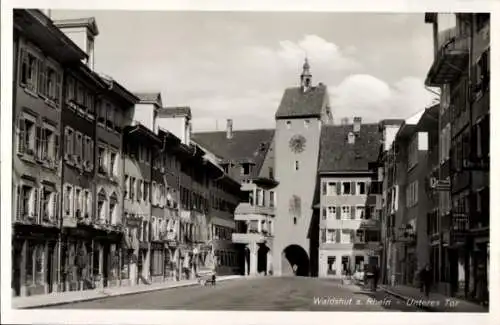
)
(106, 264)
(139, 265)
(50, 266)
(16, 268)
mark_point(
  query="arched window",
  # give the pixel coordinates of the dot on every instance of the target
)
(102, 202)
(113, 208)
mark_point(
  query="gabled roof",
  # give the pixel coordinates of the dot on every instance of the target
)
(174, 111)
(337, 155)
(297, 103)
(149, 98)
(244, 146)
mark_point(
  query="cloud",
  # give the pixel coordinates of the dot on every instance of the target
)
(323, 54)
(373, 99)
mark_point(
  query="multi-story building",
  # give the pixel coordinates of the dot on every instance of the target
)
(349, 226)
(41, 54)
(246, 156)
(139, 145)
(461, 68)
(389, 129)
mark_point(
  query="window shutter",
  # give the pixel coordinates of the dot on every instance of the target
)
(33, 202)
(324, 213)
(339, 184)
(353, 188)
(19, 215)
(42, 80)
(324, 188)
(38, 142)
(337, 236)
(42, 214)
(338, 210)
(21, 135)
(91, 158)
(57, 94)
(66, 206)
(138, 190)
(323, 235)
(89, 205)
(353, 212)
(51, 207)
(353, 235)
(117, 165)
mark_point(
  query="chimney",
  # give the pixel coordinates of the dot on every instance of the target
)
(229, 129)
(356, 124)
(82, 31)
(344, 121)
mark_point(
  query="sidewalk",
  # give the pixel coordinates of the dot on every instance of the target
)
(436, 302)
(60, 298)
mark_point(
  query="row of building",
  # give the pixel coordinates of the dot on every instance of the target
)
(108, 187)
(436, 168)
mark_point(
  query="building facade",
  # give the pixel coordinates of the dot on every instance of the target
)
(41, 55)
(463, 41)
(349, 200)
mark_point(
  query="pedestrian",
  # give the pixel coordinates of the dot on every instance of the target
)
(376, 278)
(426, 280)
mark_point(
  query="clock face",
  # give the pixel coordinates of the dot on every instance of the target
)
(297, 143)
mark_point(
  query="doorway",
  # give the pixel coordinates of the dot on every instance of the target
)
(50, 267)
(105, 265)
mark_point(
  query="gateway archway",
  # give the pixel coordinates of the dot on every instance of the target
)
(295, 255)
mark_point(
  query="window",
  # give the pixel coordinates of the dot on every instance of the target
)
(346, 237)
(48, 202)
(114, 164)
(271, 173)
(80, 96)
(89, 103)
(346, 188)
(53, 85)
(78, 148)
(330, 235)
(288, 124)
(332, 265)
(48, 144)
(260, 197)
(69, 140)
(359, 236)
(245, 169)
(113, 209)
(331, 212)
(27, 136)
(412, 194)
(78, 202)
(29, 70)
(360, 212)
(27, 201)
(145, 193)
(110, 113)
(68, 200)
(101, 206)
(296, 165)
(331, 188)
(306, 123)
(139, 190)
(132, 188)
(361, 188)
(346, 212)
(101, 159)
(272, 199)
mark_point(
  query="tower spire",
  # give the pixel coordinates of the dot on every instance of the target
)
(305, 77)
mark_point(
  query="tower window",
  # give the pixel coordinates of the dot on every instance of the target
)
(288, 124)
(306, 123)
(296, 165)
(294, 220)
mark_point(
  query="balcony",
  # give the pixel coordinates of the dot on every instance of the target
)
(451, 58)
(246, 208)
(250, 237)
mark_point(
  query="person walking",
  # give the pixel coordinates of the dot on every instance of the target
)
(426, 280)
(376, 277)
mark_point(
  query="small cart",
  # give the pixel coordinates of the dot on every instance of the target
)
(206, 277)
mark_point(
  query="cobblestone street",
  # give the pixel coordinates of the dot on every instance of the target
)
(259, 294)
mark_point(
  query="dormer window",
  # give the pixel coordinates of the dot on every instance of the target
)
(245, 169)
(351, 138)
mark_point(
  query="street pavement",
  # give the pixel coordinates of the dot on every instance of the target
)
(257, 294)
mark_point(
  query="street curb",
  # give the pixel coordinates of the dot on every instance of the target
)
(103, 295)
(400, 296)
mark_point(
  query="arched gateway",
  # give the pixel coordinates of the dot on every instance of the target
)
(294, 255)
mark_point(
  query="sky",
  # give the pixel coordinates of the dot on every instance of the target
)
(237, 64)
